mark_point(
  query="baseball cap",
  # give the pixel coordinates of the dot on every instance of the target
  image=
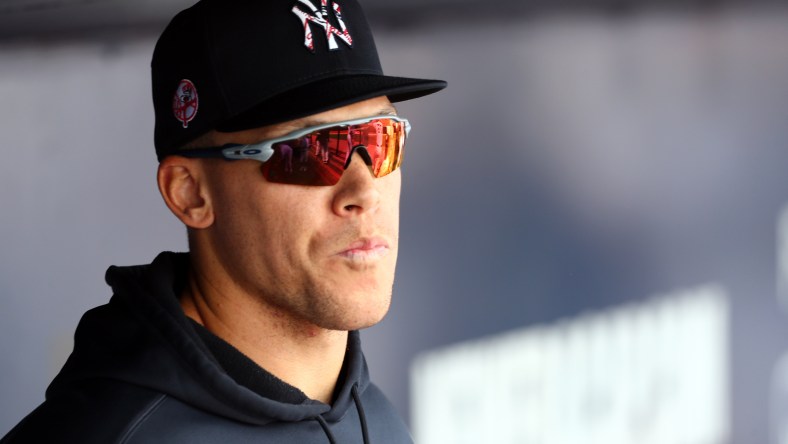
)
(232, 65)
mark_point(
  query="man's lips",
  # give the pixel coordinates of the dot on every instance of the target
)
(365, 249)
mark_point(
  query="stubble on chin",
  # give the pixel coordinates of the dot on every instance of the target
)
(351, 307)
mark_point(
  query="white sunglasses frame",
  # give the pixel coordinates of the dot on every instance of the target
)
(264, 150)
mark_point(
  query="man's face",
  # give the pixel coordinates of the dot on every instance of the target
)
(324, 255)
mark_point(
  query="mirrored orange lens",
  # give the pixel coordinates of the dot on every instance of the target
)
(320, 157)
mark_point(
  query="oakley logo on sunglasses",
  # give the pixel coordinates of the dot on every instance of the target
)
(320, 18)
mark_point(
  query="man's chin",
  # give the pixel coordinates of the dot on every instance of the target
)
(358, 313)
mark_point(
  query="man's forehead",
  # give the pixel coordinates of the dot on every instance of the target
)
(373, 107)
(379, 106)
(320, 119)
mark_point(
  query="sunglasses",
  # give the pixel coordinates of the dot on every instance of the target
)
(318, 155)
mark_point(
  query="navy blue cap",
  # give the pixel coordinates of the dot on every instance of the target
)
(231, 65)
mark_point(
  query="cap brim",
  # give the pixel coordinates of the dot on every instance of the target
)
(327, 94)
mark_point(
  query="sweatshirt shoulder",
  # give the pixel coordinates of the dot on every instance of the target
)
(96, 411)
(383, 419)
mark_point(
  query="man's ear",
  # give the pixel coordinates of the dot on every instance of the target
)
(183, 186)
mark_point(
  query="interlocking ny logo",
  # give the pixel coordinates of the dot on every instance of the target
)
(320, 18)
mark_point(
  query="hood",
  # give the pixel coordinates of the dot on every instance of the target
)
(142, 337)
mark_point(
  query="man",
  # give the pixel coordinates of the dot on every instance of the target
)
(253, 335)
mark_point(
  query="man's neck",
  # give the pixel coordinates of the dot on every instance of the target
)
(301, 354)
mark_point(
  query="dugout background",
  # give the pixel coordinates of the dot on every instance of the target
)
(584, 156)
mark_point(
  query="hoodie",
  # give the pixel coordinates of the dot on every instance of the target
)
(142, 372)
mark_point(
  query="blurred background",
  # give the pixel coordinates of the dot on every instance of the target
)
(590, 236)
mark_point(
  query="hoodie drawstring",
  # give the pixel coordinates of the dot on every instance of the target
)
(327, 431)
(361, 416)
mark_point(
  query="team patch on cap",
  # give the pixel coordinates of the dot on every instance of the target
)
(320, 18)
(185, 102)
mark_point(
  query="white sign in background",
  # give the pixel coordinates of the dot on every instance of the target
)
(779, 389)
(647, 373)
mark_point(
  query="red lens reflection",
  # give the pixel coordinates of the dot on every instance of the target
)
(320, 157)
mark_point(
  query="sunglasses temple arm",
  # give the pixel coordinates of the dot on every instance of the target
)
(203, 153)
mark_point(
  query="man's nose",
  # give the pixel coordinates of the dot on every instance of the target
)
(357, 191)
